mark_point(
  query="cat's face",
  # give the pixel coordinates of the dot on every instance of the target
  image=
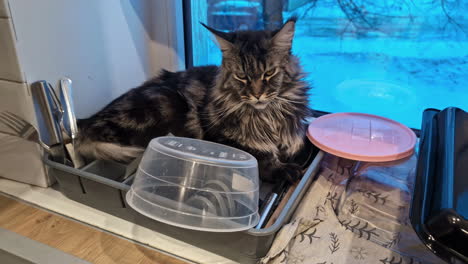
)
(254, 63)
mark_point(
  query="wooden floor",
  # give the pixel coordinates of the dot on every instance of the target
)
(75, 238)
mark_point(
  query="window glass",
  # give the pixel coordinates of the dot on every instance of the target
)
(388, 57)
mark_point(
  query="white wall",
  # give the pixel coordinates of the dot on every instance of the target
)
(105, 46)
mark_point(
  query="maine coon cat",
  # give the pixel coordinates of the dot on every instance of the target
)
(256, 101)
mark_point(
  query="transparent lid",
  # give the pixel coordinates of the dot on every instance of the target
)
(204, 152)
(196, 184)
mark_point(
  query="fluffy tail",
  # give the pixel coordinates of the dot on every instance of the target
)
(108, 151)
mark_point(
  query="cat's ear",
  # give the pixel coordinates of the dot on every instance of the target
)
(223, 43)
(283, 38)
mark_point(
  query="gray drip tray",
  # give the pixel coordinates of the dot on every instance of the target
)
(103, 185)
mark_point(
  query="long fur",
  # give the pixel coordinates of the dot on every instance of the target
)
(256, 101)
(109, 151)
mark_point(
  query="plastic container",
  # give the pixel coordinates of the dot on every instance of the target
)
(372, 199)
(196, 184)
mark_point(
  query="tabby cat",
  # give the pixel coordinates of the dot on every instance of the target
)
(256, 101)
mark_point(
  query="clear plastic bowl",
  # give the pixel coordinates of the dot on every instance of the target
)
(196, 184)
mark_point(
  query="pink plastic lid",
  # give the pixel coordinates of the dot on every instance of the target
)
(362, 137)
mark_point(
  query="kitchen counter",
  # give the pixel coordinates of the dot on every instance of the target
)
(52, 200)
(42, 237)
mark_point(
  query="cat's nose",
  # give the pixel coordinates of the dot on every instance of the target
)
(257, 89)
(257, 95)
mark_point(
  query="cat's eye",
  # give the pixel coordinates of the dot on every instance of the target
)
(269, 73)
(240, 76)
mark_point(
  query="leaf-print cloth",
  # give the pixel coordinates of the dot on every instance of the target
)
(353, 213)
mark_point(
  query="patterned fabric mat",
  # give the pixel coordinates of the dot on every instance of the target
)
(354, 213)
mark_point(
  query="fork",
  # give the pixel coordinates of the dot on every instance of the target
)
(21, 128)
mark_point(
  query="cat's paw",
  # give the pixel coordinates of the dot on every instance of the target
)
(291, 172)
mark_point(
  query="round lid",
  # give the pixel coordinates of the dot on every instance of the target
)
(203, 152)
(362, 137)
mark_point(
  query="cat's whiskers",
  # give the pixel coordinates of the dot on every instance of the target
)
(288, 100)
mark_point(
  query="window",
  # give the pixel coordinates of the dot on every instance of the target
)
(393, 58)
